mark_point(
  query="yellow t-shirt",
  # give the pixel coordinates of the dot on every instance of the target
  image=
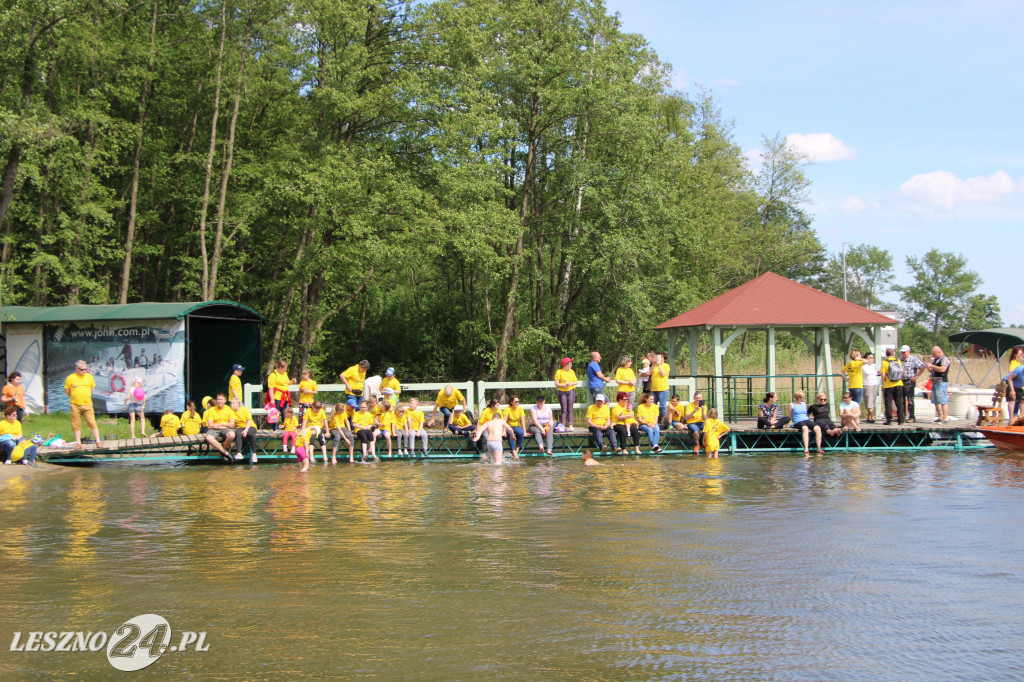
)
(169, 425)
(713, 430)
(234, 388)
(278, 384)
(191, 423)
(853, 371)
(387, 421)
(449, 402)
(885, 376)
(81, 388)
(356, 376)
(376, 410)
(362, 420)
(659, 382)
(316, 418)
(696, 414)
(566, 375)
(1014, 364)
(675, 412)
(219, 415)
(301, 438)
(514, 415)
(14, 429)
(460, 420)
(415, 419)
(624, 374)
(243, 417)
(647, 414)
(290, 424)
(627, 415)
(599, 414)
(392, 383)
(307, 389)
(486, 415)
(339, 420)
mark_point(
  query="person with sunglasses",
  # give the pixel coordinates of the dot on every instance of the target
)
(515, 417)
(819, 412)
(802, 422)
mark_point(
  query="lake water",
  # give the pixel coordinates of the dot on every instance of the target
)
(855, 566)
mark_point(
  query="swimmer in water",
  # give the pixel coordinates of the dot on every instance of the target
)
(588, 459)
(495, 429)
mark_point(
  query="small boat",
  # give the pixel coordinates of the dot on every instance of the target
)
(1010, 438)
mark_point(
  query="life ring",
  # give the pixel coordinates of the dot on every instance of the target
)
(114, 381)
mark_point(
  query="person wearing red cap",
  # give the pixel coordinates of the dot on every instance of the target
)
(565, 382)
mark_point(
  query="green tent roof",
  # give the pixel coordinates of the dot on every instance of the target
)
(996, 340)
(126, 311)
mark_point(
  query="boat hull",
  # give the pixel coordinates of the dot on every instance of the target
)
(1009, 438)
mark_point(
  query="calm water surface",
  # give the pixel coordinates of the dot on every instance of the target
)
(859, 566)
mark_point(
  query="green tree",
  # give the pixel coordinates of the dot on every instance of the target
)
(982, 313)
(869, 275)
(941, 295)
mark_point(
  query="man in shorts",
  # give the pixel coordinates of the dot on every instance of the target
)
(78, 386)
(939, 368)
(220, 424)
(494, 430)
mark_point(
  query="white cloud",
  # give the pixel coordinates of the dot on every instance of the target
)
(853, 204)
(945, 191)
(821, 146)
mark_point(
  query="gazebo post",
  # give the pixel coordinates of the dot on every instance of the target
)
(692, 337)
(827, 352)
(716, 339)
(673, 337)
(878, 354)
(769, 361)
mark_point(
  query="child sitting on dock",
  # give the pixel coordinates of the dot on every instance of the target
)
(169, 424)
(714, 429)
(291, 430)
(387, 425)
(316, 416)
(191, 421)
(341, 430)
(362, 425)
(400, 430)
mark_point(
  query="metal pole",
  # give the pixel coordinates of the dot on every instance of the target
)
(845, 244)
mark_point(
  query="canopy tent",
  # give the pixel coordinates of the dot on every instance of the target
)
(774, 303)
(998, 340)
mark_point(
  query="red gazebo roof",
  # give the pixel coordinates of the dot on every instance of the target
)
(772, 300)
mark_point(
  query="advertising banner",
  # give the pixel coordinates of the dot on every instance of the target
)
(117, 354)
(25, 355)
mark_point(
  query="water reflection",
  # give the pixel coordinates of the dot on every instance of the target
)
(777, 567)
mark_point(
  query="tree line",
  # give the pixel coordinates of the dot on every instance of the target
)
(457, 188)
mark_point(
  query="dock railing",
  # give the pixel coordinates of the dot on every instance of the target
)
(329, 394)
(744, 392)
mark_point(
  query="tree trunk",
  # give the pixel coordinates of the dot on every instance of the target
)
(205, 284)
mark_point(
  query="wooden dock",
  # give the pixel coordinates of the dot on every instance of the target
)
(744, 438)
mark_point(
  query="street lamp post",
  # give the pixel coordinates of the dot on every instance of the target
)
(845, 244)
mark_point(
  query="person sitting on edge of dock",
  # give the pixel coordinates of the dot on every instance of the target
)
(599, 418)
(694, 415)
(769, 413)
(245, 430)
(169, 424)
(542, 425)
(220, 424)
(12, 440)
(447, 399)
(461, 425)
(191, 421)
(802, 422)
(819, 412)
(494, 430)
(849, 412)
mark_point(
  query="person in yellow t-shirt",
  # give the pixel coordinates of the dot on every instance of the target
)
(316, 416)
(565, 382)
(515, 417)
(414, 418)
(647, 415)
(399, 411)
(447, 398)
(245, 431)
(300, 450)
(389, 381)
(363, 425)
(625, 377)
(169, 424)
(307, 393)
(235, 383)
(674, 413)
(341, 430)
(78, 386)
(220, 425)
(388, 425)
(461, 425)
(353, 378)
(487, 414)
(599, 419)
(659, 383)
(852, 372)
(714, 429)
(892, 389)
(624, 422)
(191, 421)
(277, 384)
(290, 428)
(694, 415)
(14, 447)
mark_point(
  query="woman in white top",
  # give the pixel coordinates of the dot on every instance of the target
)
(542, 424)
(849, 412)
(870, 386)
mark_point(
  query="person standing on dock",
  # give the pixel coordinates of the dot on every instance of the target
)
(912, 368)
(939, 368)
(354, 377)
(235, 383)
(389, 381)
(565, 382)
(892, 387)
(278, 383)
(596, 379)
(659, 384)
(78, 387)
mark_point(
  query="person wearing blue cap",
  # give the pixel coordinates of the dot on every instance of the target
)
(389, 381)
(235, 383)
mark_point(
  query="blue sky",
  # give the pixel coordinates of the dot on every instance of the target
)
(912, 112)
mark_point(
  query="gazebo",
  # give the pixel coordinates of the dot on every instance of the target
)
(774, 303)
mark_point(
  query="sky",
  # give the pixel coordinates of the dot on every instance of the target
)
(910, 111)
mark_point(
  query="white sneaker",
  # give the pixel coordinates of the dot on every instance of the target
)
(238, 455)
(254, 458)
(7, 462)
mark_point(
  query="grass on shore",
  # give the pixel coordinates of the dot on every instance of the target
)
(59, 424)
